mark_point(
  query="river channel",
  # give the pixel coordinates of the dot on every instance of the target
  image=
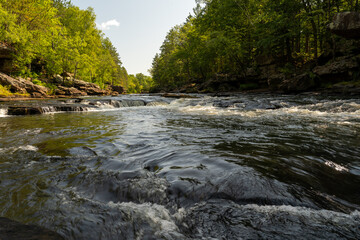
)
(233, 167)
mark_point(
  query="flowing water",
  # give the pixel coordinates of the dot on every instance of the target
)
(239, 167)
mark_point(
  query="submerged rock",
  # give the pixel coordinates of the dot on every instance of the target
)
(11, 230)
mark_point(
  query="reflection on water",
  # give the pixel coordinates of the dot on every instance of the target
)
(248, 166)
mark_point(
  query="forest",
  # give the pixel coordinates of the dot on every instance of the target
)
(227, 37)
(50, 37)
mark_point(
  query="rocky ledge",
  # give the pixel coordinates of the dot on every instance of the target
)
(70, 105)
(64, 87)
(23, 86)
(11, 230)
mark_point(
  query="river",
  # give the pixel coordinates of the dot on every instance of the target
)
(234, 167)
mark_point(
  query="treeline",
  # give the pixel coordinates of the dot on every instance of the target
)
(229, 36)
(51, 37)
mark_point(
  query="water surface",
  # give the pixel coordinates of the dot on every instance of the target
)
(246, 166)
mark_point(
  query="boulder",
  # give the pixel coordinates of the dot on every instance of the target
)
(21, 85)
(118, 89)
(69, 91)
(58, 79)
(79, 83)
(339, 66)
(93, 90)
(299, 83)
(346, 24)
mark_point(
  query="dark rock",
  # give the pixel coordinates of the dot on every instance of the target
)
(24, 110)
(6, 58)
(299, 83)
(341, 69)
(275, 80)
(60, 92)
(346, 24)
(118, 89)
(348, 88)
(58, 79)
(11, 230)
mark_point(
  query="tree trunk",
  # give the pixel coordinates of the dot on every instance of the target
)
(315, 34)
(307, 43)
(288, 50)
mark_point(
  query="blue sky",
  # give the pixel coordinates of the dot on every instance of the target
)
(137, 28)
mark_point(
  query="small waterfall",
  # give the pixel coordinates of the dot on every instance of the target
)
(3, 112)
(48, 109)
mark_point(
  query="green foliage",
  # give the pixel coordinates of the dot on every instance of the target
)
(61, 38)
(230, 36)
(5, 91)
(139, 83)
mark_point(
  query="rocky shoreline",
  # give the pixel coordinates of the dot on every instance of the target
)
(336, 71)
(63, 88)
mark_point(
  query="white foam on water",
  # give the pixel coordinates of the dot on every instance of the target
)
(156, 215)
(25, 148)
(319, 215)
(3, 112)
(336, 166)
(29, 148)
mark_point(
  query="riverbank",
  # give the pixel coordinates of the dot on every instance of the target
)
(56, 87)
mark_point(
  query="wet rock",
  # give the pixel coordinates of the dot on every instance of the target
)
(346, 24)
(157, 103)
(21, 85)
(11, 230)
(24, 110)
(228, 220)
(173, 95)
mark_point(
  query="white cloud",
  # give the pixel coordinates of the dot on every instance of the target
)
(108, 24)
